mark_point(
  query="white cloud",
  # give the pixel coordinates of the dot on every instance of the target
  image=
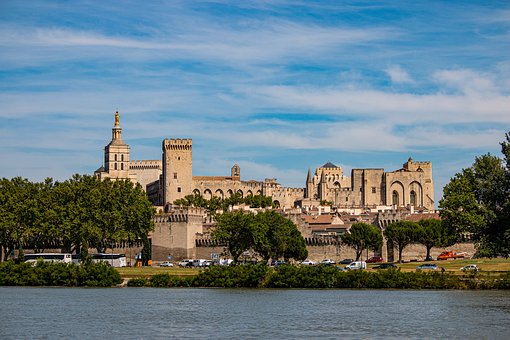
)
(466, 81)
(398, 75)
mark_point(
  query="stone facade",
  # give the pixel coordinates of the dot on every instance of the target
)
(117, 163)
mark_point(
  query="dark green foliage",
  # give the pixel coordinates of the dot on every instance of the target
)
(218, 204)
(477, 201)
(402, 234)
(232, 277)
(268, 233)
(58, 274)
(363, 236)
(74, 215)
(138, 282)
(433, 233)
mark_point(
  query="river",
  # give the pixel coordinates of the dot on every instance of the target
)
(152, 313)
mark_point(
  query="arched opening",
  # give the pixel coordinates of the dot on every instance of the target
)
(230, 193)
(259, 193)
(412, 198)
(249, 193)
(219, 193)
(336, 185)
(196, 192)
(276, 204)
(394, 198)
(240, 193)
(207, 194)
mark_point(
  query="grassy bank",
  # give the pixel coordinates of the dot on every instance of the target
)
(261, 276)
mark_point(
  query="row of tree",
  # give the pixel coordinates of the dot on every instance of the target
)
(216, 204)
(477, 201)
(429, 232)
(269, 234)
(73, 215)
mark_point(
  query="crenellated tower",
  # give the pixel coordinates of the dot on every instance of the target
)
(177, 169)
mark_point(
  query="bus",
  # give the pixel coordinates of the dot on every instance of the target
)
(114, 260)
(48, 257)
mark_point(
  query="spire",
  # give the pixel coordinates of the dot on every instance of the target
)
(117, 119)
(323, 177)
(309, 176)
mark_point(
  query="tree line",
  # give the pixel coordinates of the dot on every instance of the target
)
(428, 232)
(216, 204)
(72, 215)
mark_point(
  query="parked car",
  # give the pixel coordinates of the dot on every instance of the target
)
(375, 259)
(346, 261)
(276, 263)
(327, 262)
(385, 266)
(356, 265)
(186, 263)
(166, 264)
(428, 266)
(308, 262)
(470, 268)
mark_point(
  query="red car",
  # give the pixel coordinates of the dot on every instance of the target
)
(375, 259)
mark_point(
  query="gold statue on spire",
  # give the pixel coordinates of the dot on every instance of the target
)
(116, 118)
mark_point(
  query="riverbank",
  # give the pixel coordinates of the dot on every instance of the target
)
(261, 276)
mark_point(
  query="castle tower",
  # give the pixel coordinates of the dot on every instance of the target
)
(116, 155)
(235, 172)
(177, 169)
(323, 186)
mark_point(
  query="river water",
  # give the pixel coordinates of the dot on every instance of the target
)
(152, 313)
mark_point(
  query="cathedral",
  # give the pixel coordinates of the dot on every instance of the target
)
(172, 178)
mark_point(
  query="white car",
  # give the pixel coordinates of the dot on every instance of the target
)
(328, 262)
(470, 268)
(308, 263)
(166, 264)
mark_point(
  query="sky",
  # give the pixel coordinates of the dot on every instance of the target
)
(277, 87)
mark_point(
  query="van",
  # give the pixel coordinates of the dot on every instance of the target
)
(357, 265)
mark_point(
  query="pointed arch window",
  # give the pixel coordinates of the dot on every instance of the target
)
(394, 198)
(413, 198)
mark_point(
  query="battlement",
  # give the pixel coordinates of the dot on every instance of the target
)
(179, 214)
(177, 144)
(145, 164)
(413, 166)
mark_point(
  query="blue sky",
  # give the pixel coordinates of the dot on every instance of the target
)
(275, 86)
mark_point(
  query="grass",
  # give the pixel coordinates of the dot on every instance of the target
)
(485, 265)
(130, 272)
(453, 266)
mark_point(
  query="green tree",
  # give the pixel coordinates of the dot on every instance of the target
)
(401, 234)
(363, 236)
(236, 229)
(17, 213)
(277, 236)
(476, 200)
(432, 233)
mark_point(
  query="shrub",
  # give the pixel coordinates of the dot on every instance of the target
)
(138, 282)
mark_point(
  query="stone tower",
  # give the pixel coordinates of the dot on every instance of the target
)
(309, 185)
(177, 169)
(116, 155)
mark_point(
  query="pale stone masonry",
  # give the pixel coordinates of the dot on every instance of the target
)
(172, 178)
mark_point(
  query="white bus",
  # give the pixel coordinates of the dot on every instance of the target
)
(48, 257)
(114, 260)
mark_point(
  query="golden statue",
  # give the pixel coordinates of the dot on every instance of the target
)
(117, 118)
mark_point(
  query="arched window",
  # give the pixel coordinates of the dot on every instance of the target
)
(122, 158)
(395, 198)
(115, 166)
(121, 166)
(413, 198)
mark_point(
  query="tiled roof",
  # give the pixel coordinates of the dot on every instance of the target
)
(329, 165)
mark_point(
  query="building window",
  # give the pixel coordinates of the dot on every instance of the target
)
(373, 190)
(121, 166)
(115, 166)
(413, 198)
(122, 158)
(347, 199)
(175, 175)
(179, 189)
(395, 198)
(115, 157)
